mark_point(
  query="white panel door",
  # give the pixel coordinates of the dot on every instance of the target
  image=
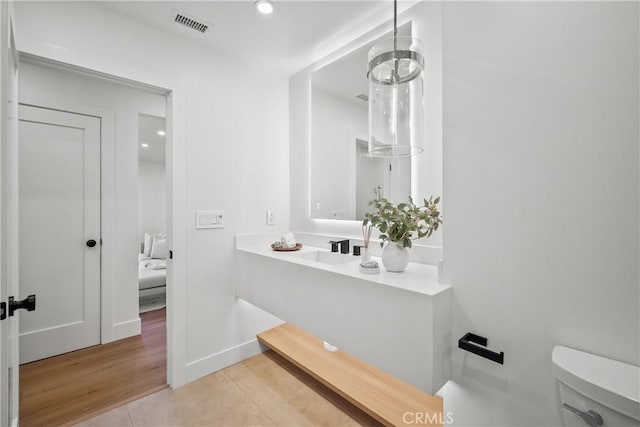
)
(59, 192)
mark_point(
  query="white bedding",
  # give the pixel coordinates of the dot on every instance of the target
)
(152, 273)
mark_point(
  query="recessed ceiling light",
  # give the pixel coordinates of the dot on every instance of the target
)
(264, 6)
(144, 145)
(161, 133)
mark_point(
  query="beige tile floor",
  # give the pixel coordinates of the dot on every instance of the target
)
(264, 390)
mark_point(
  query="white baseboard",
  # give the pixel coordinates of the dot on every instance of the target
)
(214, 362)
(127, 329)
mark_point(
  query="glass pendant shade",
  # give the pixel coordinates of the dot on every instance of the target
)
(396, 107)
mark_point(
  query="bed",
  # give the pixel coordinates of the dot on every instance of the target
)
(152, 272)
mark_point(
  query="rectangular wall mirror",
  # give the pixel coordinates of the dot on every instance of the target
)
(343, 177)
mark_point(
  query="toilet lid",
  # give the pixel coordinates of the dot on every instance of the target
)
(609, 382)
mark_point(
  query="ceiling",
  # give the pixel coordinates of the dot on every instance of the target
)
(148, 127)
(295, 35)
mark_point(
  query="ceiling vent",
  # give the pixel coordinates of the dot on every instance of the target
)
(182, 18)
(363, 97)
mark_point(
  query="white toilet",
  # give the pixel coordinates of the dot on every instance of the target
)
(596, 391)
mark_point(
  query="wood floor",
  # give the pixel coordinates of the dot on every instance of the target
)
(262, 391)
(74, 386)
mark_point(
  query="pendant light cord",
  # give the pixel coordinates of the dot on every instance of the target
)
(395, 24)
(395, 38)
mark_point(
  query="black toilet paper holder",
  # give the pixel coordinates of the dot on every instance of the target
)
(472, 342)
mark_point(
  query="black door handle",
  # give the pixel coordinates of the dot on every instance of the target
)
(91, 243)
(29, 304)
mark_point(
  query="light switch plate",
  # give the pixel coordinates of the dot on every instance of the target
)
(271, 217)
(210, 219)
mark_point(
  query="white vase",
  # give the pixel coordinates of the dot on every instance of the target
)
(395, 259)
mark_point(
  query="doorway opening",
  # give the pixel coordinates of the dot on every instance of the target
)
(152, 218)
(79, 142)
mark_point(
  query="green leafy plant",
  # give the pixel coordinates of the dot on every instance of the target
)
(404, 222)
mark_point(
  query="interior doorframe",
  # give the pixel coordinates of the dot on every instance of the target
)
(9, 205)
(175, 94)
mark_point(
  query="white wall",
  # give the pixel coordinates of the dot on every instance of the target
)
(541, 187)
(152, 198)
(58, 88)
(336, 125)
(426, 17)
(235, 138)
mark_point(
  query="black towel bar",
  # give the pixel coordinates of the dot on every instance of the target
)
(472, 342)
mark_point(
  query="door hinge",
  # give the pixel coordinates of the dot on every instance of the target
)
(3, 310)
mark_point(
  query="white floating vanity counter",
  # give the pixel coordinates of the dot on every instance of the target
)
(419, 278)
(398, 322)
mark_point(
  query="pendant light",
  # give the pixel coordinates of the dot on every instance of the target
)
(396, 107)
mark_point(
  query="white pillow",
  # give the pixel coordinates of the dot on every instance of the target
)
(160, 248)
(146, 245)
(149, 240)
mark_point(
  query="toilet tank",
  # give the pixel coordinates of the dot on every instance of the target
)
(589, 382)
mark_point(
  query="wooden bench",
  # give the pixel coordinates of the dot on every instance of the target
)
(383, 397)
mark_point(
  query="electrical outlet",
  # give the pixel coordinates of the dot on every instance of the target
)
(271, 217)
